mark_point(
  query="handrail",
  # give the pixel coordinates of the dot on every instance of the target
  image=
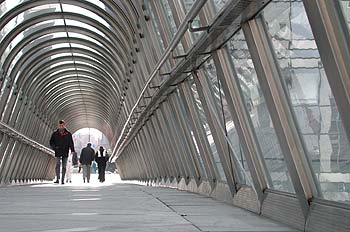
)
(197, 6)
(6, 129)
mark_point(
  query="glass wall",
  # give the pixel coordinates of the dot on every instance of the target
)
(170, 19)
(259, 114)
(199, 165)
(209, 135)
(345, 6)
(224, 117)
(219, 4)
(310, 97)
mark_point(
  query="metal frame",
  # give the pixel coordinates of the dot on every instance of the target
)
(140, 97)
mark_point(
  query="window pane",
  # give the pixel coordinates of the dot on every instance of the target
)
(196, 21)
(8, 5)
(173, 29)
(27, 15)
(159, 39)
(259, 114)
(225, 118)
(209, 135)
(311, 97)
(345, 5)
(219, 4)
(188, 127)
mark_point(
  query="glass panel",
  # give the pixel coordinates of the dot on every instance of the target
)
(219, 4)
(196, 21)
(225, 118)
(311, 98)
(259, 114)
(74, 45)
(188, 4)
(155, 25)
(169, 16)
(189, 128)
(173, 29)
(82, 11)
(86, 26)
(345, 5)
(169, 138)
(8, 5)
(81, 36)
(26, 15)
(205, 124)
(173, 130)
(181, 130)
(31, 30)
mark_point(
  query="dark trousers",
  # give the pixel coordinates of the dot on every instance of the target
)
(101, 172)
(58, 167)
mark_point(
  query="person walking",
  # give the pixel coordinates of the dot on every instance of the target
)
(61, 142)
(101, 160)
(86, 158)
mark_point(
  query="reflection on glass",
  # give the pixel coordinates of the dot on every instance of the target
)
(225, 118)
(259, 114)
(311, 97)
(209, 135)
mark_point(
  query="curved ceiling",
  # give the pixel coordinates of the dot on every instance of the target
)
(71, 59)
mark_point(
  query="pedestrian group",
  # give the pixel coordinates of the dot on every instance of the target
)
(62, 142)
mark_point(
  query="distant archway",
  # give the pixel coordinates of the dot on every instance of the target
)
(90, 135)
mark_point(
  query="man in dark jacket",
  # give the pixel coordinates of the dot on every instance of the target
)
(61, 141)
(101, 160)
(86, 158)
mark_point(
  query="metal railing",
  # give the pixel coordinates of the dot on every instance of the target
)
(13, 133)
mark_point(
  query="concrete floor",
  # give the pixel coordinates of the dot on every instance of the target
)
(119, 206)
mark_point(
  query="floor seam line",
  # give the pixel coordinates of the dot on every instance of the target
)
(168, 206)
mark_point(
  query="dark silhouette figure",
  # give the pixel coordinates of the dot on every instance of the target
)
(86, 158)
(101, 160)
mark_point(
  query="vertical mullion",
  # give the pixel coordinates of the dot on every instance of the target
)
(219, 138)
(180, 148)
(277, 102)
(168, 139)
(241, 119)
(199, 133)
(191, 152)
(153, 146)
(159, 146)
(183, 138)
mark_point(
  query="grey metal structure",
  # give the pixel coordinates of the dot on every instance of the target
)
(245, 101)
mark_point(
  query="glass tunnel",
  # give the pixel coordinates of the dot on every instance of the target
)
(244, 101)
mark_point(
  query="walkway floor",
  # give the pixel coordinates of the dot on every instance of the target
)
(118, 206)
